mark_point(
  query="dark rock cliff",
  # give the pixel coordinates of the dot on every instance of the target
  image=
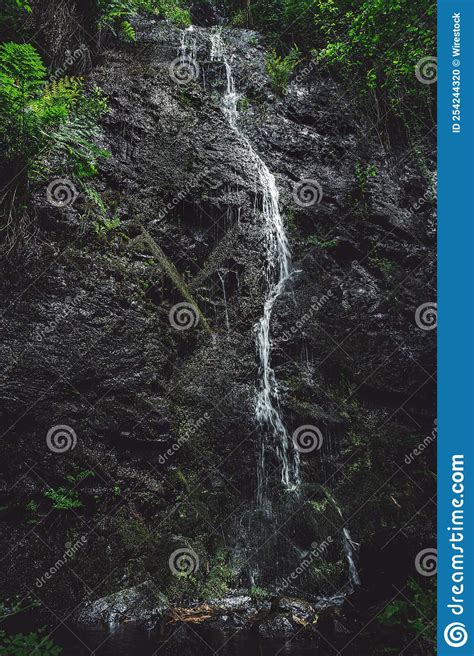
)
(166, 445)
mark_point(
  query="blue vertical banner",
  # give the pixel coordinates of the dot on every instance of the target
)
(456, 327)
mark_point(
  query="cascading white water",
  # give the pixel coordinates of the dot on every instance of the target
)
(350, 548)
(224, 294)
(188, 46)
(277, 273)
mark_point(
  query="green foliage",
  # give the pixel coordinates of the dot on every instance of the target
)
(134, 536)
(384, 265)
(22, 119)
(80, 476)
(27, 644)
(64, 498)
(284, 21)
(23, 4)
(363, 172)
(35, 643)
(172, 10)
(73, 141)
(67, 498)
(374, 45)
(220, 577)
(239, 18)
(10, 607)
(12, 14)
(415, 614)
(104, 225)
(314, 240)
(244, 104)
(37, 118)
(98, 211)
(32, 507)
(115, 15)
(379, 41)
(41, 124)
(258, 594)
(280, 68)
(361, 198)
(94, 203)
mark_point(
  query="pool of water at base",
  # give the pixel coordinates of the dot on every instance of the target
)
(126, 640)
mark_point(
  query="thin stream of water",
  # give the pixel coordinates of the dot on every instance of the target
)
(277, 273)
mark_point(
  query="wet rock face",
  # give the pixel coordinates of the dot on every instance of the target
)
(163, 418)
(141, 605)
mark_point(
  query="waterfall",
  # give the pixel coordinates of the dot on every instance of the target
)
(188, 45)
(277, 273)
(224, 295)
(350, 548)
